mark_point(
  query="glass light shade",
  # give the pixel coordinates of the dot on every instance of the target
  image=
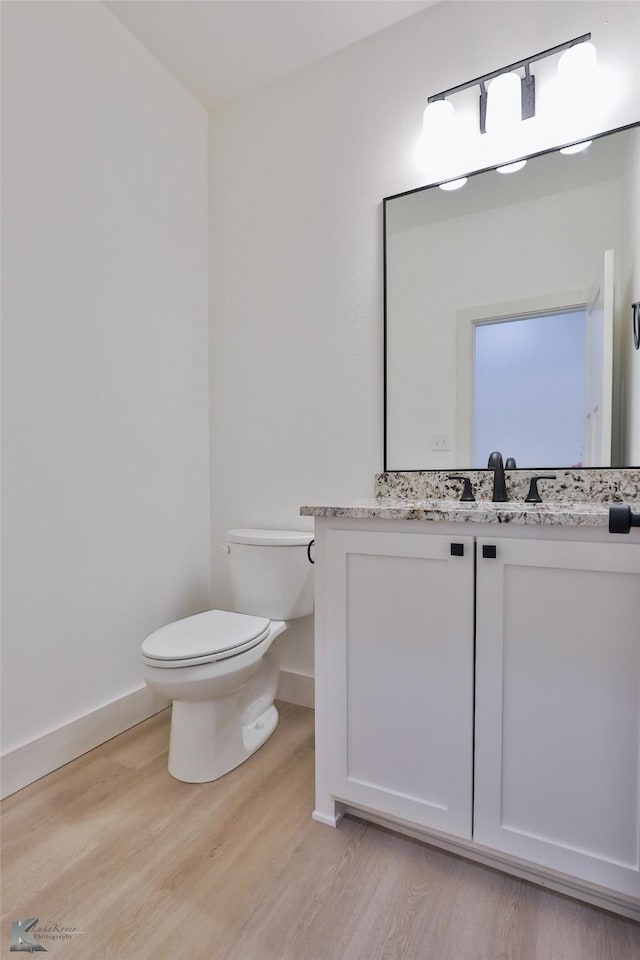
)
(437, 119)
(576, 147)
(504, 103)
(512, 167)
(578, 63)
(453, 184)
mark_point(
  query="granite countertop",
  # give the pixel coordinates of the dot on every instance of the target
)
(559, 513)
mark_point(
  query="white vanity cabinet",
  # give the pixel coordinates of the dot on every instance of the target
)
(490, 703)
(557, 717)
(399, 632)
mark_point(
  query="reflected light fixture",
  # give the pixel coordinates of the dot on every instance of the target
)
(512, 167)
(453, 184)
(576, 147)
(576, 63)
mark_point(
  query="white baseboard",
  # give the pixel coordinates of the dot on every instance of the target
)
(325, 818)
(298, 688)
(34, 759)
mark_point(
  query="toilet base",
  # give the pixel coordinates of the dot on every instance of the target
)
(207, 740)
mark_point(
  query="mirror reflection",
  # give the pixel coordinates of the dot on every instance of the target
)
(506, 314)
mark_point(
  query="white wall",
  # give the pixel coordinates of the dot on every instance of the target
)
(297, 175)
(105, 372)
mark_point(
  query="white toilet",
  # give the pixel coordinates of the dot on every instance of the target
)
(216, 666)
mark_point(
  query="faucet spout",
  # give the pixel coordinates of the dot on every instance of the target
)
(499, 484)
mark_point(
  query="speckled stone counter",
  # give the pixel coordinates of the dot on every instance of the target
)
(573, 498)
(566, 513)
(586, 486)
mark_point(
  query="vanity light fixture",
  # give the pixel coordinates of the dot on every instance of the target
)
(437, 119)
(504, 103)
(577, 64)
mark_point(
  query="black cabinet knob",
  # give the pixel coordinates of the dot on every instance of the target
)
(489, 551)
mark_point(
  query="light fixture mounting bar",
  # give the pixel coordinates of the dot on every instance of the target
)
(526, 62)
(528, 94)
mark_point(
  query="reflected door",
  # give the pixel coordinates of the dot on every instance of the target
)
(529, 389)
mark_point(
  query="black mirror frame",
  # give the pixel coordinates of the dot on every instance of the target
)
(431, 186)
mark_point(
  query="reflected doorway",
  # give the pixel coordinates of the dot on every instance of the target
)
(529, 388)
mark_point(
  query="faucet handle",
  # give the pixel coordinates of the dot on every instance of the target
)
(533, 496)
(467, 491)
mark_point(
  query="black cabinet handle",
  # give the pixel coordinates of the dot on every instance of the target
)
(457, 549)
(309, 545)
(489, 551)
(621, 519)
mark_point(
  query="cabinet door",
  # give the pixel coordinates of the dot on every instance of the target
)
(558, 706)
(400, 636)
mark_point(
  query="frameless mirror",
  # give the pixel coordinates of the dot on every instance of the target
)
(507, 313)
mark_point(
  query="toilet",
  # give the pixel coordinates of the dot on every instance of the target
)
(217, 667)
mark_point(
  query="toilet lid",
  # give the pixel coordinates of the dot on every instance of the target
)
(215, 633)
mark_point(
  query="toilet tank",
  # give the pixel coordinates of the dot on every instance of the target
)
(271, 575)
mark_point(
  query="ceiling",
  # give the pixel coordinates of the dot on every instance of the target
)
(224, 49)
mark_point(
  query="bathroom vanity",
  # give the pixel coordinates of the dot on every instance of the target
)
(478, 684)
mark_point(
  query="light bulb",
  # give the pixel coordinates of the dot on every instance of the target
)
(578, 63)
(437, 119)
(504, 104)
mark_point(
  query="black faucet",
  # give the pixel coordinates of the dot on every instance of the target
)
(499, 486)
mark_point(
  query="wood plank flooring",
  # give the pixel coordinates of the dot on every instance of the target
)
(147, 867)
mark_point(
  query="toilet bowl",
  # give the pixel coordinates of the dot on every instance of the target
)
(217, 666)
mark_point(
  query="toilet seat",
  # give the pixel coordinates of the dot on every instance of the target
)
(204, 638)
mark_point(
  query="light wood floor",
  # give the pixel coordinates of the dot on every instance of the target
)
(148, 867)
